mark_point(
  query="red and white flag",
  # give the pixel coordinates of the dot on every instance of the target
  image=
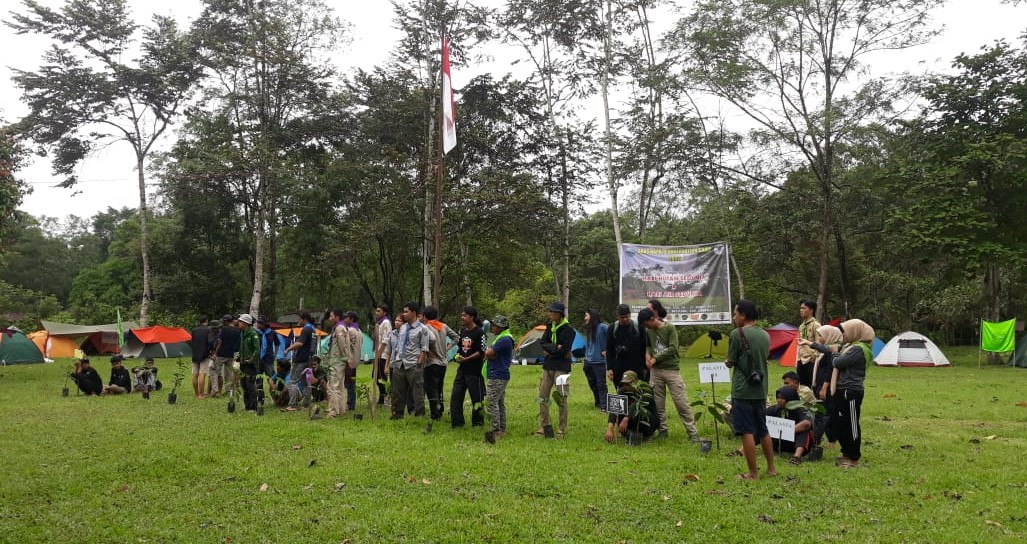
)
(448, 108)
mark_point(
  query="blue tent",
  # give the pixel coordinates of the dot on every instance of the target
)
(877, 347)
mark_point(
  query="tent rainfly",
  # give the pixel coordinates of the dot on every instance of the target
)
(158, 342)
(911, 349)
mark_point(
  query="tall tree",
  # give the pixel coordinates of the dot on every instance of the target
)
(795, 69)
(86, 93)
(12, 188)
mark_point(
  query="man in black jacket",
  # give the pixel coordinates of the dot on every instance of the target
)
(87, 378)
(120, 382)
(557, 340)
(625, 348)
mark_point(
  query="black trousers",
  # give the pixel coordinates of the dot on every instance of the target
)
(434, 379)
(468, 382)
(383, 391)
(595, 373)
(845, 409)
(805, 372)
(250, 385)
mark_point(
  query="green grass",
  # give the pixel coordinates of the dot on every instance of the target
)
(123, 469)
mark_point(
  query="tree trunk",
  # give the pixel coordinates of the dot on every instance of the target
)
(258, 247)
(738, 276)
(993, 302)
(144, 306)
(826, 225)
(615, 211)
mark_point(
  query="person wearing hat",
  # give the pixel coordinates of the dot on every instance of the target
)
(625, 347)
(499, 356)
(556, 342)
(120, 382)
(226, 346)
(249, 360)
(641, 419)
(87, 378)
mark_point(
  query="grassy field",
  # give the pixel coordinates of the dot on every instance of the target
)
(944, 461)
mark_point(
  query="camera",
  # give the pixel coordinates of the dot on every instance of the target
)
(755, 378)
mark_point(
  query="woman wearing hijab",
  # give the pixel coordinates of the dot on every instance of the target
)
(823, 376)
(846, 390)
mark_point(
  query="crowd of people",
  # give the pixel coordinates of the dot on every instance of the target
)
(639, 358)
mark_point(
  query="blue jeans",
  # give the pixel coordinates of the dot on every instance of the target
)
(299, 391)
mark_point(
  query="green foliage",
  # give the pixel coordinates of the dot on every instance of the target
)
(12, 154)
(24, 307)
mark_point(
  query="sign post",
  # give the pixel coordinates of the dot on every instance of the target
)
(785, 429)
(713, 373)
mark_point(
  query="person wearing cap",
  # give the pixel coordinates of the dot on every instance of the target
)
(664, 362)
(356, 341)
(87, 378)
(202, 344)
(642, 420)
(339, 354)
(470, 356)
(249, 361)
(556, 341)
(120, 382)
(499, 356)
(443, 338)
(225, 348)
(625, 348)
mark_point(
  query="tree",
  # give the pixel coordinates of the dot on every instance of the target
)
(86, 95)
(11, 187)
(795, 69)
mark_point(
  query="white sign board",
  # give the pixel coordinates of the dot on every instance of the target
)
(781, 428)
(714, 372)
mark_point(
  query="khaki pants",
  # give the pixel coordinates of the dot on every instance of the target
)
(545, 387)
(663, 381)
(337, 387)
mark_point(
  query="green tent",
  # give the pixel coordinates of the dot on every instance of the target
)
(16, 348)
(1019, 357)
(706, 346)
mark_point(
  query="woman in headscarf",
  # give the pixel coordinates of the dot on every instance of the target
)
(824, 374)
(847, 391)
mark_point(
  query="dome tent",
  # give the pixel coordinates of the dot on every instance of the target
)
(911, 349)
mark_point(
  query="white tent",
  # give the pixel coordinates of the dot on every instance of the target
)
(911, 349)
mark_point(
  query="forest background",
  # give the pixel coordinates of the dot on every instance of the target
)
(270, 181)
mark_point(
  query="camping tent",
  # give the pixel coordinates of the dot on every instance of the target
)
(98, 339)
(53, 346)
(1019, 357)
(16, 348)
(705, 346)
(158, 342)
(780, 336)
(788, 359)
(529, 348)
(911, 349)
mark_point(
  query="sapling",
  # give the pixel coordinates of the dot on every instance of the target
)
(179, 375)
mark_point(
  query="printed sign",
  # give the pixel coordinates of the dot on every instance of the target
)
(781, 428)
(617, 404)
(692, 282)
(714, 372)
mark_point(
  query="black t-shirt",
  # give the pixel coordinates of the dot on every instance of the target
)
(307, 339)
(121, 377)
(201, 343)
(471, 342)
(89, 381)
(625, 350)
(229, 341)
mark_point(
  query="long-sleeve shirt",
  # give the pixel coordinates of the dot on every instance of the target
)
(595, 347)
(851, 363)
(662, 344)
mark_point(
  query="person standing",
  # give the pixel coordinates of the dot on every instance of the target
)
(595, 361)
(202, 344)
(747, 351)
(847, 391)
(442, 339)
(625, 348)
(409, 355)
(556, 342)
(120, 382)
(249, 361)
(500, 356)
(356, 341)
(221, 373)
(664, 364)
(268, 346)
(338, 362)
(805, 356)
(302, 348)
(382, 332)
(470, 357)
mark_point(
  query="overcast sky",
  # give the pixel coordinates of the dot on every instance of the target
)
(108, 178)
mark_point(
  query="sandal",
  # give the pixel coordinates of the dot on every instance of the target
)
(796, 461)
(746, 476)
(733, 453)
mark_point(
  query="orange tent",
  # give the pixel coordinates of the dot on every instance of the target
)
(788, 359)
(53, 346)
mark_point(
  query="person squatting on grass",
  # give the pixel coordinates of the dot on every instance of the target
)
(803, 424)
(120, 382)
(470, 357)
(642, 420)
(556, 341)
(249, 361)
(500, 356)
(663, 360)
(87, 378)
(409, 356)
(440, 342)
(595, 361)
(847, 393)
(747, 351)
